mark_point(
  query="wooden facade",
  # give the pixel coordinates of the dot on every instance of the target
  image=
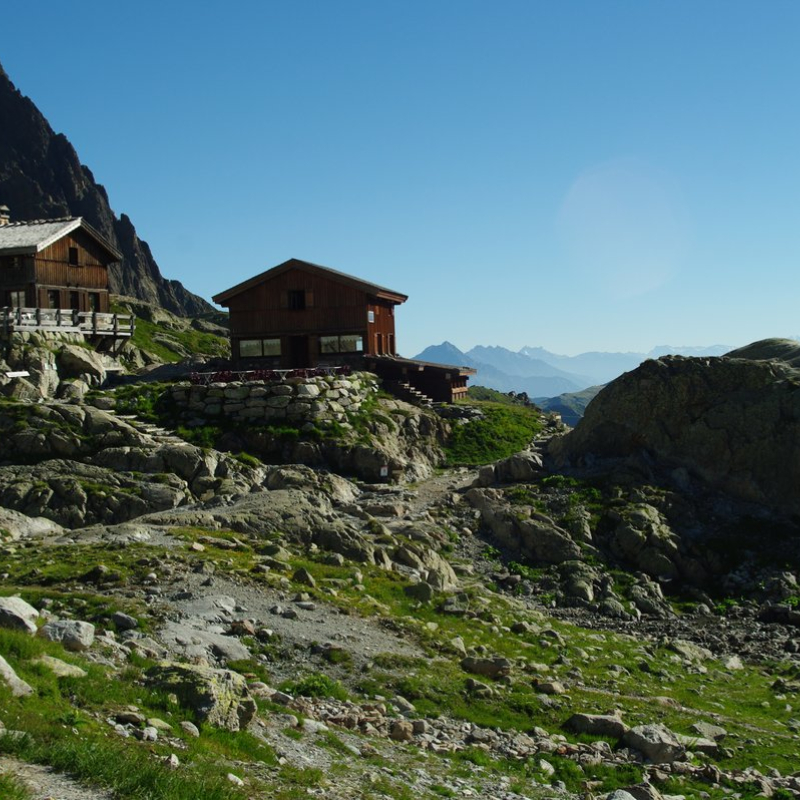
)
(55, 264)
(300, 314)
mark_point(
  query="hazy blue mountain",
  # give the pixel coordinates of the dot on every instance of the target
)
(556, 382)
(604, 367)
(598, 366)
(512, 363)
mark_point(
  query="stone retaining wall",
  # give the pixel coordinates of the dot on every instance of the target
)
(295, 400)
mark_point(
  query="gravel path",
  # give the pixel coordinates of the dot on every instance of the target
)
(47, 784)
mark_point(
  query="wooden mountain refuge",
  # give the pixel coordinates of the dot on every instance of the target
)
(54, 276)
(300, 315)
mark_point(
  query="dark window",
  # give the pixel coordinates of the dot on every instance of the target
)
(297, 299)
(94, 301)
(249, 348)
(74, 301)
(53, 298)
(329, 344)
(73, 256)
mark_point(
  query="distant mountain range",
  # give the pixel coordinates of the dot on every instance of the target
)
(543, 374)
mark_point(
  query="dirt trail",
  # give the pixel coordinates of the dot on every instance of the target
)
(47, 784)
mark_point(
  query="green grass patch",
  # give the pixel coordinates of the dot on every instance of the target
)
(11, 788)
(172, 345)
(316, 684)
(504, 430)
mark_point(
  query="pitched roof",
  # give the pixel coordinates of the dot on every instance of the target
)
(33, 236)
(422, 365)
(317, 269)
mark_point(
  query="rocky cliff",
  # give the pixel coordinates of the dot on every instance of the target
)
(730, 423)
(41, 176)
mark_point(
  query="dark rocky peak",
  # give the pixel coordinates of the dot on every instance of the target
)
(41, 177)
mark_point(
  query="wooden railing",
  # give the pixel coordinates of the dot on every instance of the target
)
(66, 320)
(265, 375)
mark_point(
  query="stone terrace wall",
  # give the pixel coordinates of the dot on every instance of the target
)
(294, 400)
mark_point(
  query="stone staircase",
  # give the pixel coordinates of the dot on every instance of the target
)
(157, 433)
(405, 391)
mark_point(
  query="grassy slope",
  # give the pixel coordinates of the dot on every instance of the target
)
(505, 429)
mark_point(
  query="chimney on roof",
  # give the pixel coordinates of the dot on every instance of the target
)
(5, 215)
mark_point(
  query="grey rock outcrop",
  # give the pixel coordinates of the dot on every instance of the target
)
(536, 538)
(730, 423)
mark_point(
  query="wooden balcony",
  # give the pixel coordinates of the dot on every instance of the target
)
(65, 320)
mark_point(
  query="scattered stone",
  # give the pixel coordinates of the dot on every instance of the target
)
(149, 734)
(550, 687)
(698, 744)
(303, 576)
(18, 687)
(402, 730)
(656, 742)
(709, 731)
(124, 622)
(60, 668)
(690, 651)
(597, 725)
(487, 667)
(733, 663)
(158, 724)
(190, 728)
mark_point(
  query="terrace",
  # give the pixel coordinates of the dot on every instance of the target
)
(65, 320)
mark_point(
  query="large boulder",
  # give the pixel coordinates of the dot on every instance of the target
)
(18, 615)
(81, 362)
(731, 423)
(19, 526)
(219, 697)
(523, 466)
(73, 634)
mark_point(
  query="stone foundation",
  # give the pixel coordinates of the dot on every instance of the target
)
(294, 400)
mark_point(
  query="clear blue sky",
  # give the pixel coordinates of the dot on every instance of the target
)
(574, 175)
